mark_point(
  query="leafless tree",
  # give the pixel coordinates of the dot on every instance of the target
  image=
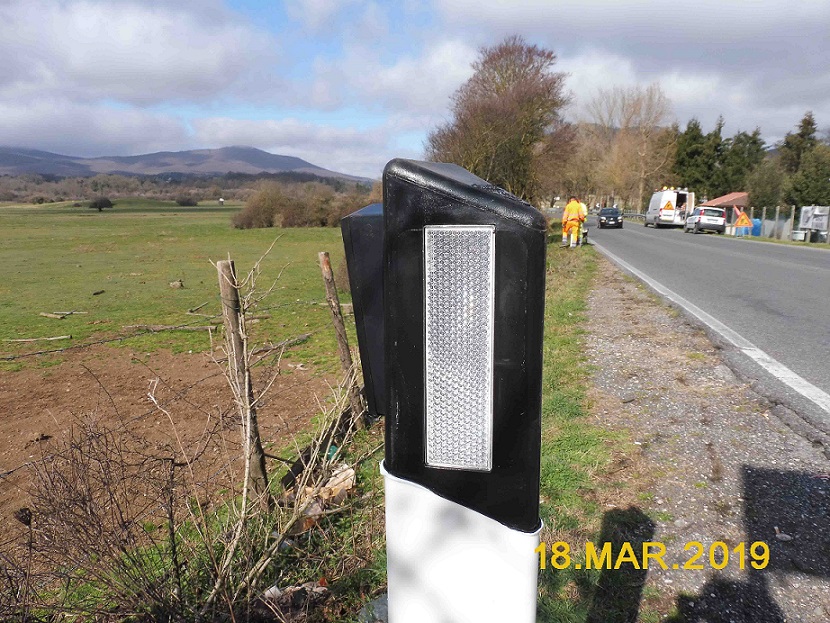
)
(626, 129)
(506, 117)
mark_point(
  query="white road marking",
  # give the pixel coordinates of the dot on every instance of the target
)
(771, 365)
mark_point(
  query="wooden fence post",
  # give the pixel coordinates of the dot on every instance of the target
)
(236, 345)
(777, 229)
(340, 332)
(792, 222)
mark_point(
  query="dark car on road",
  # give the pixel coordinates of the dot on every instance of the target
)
(609, 217)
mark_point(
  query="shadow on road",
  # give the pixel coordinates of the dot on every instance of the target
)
(790, 512)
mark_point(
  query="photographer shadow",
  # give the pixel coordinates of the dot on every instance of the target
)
(790, 512)
(619, 591)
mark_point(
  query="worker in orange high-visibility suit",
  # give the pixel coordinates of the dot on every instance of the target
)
(571, 219)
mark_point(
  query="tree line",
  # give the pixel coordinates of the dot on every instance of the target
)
(35, 188)
(507, 126)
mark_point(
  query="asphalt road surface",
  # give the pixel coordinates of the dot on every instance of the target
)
(775, 296)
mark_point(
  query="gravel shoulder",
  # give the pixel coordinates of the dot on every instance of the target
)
(714, 463)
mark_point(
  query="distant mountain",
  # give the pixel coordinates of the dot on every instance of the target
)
(20, 161)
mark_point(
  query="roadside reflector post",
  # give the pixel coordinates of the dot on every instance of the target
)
(363, 242)
(463, 286)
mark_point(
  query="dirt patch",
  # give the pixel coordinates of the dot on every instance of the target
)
(713, 464)
(110, 385)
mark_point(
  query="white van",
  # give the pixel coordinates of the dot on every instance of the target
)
(669, 207)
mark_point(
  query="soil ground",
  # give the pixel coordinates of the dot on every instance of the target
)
(711, 463)
(110, 386)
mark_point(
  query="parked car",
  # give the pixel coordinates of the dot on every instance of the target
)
(609, 217)
(712, 219)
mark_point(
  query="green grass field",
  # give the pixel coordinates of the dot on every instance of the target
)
(56, 256)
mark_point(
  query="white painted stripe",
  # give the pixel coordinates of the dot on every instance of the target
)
(771, 365)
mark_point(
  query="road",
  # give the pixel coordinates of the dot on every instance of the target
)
(775, 296)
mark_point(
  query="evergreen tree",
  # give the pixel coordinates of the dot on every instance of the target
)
(765, 184)
(689, 166)
(742, 154)
(713, 166)
(795, 146)
(811, 185)
(714, 147)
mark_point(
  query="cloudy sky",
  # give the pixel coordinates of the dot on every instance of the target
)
(350, 84)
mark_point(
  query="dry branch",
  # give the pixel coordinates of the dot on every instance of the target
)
(161, 327)
(294, 341)
(41, 339)
(60, 315)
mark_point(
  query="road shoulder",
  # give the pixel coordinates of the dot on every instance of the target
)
(715, 464)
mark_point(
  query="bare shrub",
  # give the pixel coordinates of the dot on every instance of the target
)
(124, 529)
(104, 506)
(186, 201)
(308, 205)
(261, 208)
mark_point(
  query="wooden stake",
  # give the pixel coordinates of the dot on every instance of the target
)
(236, 346)
(340, 333)
(792, 223)
(777, 229)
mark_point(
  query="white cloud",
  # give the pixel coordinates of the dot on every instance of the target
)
(760, 63)
(316, 15)
(590, 72)
(373, 23)
(413, 84)
(81, 75)
(573, 20)
(421, 84)
(347, 150)
(88, 130)
(125, 51)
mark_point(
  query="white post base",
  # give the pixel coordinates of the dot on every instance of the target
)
(449, 564)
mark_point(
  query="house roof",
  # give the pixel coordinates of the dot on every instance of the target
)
(727, 201)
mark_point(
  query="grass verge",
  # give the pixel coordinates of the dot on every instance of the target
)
(576, 479)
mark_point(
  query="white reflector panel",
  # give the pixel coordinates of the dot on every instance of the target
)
(459, 264)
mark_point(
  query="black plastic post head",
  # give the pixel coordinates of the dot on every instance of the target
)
(442, 224)
(363, 242)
